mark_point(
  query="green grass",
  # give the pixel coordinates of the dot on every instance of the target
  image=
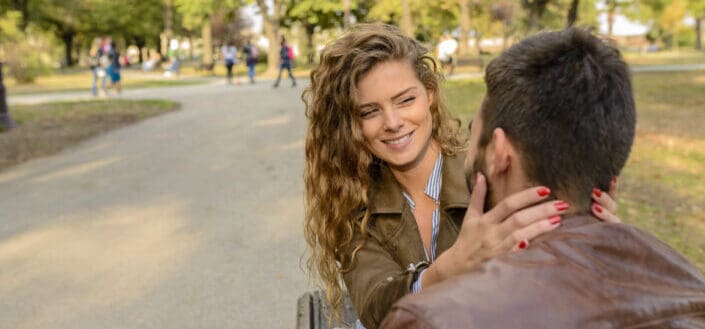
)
(48, 128)
(81, 81)
(662, 188)
(684, 56)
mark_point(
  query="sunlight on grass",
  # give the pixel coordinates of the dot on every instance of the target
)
(48, 128)
(685, 56)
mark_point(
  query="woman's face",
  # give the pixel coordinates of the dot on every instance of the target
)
(394, 112)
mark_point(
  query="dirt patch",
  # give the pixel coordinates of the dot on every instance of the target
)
(46, 129)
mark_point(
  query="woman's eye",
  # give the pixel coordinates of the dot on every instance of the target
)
(408, 100)
(367, 113)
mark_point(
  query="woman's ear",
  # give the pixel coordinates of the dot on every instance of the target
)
(431, 95)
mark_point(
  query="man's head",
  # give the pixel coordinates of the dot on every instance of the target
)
(558, 112)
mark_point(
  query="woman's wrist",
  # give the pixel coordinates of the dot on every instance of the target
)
(437, 271)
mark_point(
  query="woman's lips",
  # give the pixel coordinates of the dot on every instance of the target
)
(399, 143)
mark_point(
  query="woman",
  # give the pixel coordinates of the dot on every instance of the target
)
(386, 197)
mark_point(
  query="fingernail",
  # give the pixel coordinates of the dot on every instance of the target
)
(544, 191)
(597, 208)
(523, 244)
(554, 219)
(561, 205)
(596, 191)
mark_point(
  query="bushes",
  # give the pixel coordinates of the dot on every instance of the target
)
(26, 54)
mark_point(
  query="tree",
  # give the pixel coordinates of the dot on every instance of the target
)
(66, 18)
(697, 10)
(313, 15)
(572, 13)
(6, 121)
(407, 25)
(270, 24)
(535, 10)
(117, 19)
(465, 25)
(671, 19)
(199, 13)
(504, 11)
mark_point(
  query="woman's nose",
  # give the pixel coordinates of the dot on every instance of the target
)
(392, 120)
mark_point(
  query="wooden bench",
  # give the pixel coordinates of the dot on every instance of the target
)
(313, 311)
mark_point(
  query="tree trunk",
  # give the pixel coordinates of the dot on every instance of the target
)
(310, 28)
(5, 119)
(611, 12)
(207, 37)
(478, 38)
(22, 7)
(699, 33)
(346, 14)
(270, 24)
(536, 9)
(168, 23)
(67, 37)
(190, 47)
(140, 42)
(407, 26)
(572, 13)
(465, 21)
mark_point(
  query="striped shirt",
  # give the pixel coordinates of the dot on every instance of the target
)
(432, 190)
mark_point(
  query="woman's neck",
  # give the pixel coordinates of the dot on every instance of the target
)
(414, 178)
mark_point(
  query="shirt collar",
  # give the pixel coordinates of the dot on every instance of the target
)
(433, 186)
(386, 196)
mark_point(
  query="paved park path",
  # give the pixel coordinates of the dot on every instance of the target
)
(192, 219)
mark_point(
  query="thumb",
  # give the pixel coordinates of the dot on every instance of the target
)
(477, 198)
(613, 188)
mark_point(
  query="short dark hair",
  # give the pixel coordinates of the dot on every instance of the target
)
(565, 101)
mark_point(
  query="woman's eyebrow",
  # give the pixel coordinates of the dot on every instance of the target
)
(403, 92)
(397, 95)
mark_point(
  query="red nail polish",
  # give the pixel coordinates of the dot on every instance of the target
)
(598, 208)
(554, 219)
(544, 191)
(523, 244)
(596, 191)
(561, 205)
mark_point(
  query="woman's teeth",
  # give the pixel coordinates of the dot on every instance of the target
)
(399, 140)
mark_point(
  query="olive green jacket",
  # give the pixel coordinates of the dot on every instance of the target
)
(393, 255)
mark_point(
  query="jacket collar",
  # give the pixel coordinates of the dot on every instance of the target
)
(385, 196)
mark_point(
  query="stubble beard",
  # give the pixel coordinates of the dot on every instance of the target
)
(471, 178)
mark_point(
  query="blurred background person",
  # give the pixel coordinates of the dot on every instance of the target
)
(113, 70)
(229, 55)
(285, 56)
(447, 48)
(251, 53)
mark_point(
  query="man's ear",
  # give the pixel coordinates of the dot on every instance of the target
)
(498, 156)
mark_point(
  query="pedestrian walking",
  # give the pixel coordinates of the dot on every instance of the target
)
(113, 70)
(250, 59)
(285, 56)
(94, 63)
(230, 56)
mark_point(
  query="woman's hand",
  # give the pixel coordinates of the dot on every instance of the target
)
(509, 225)
(604, 207)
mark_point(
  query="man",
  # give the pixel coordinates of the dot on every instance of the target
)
(559, 112)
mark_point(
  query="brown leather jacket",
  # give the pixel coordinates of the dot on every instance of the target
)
(586, 274)
(384, 269)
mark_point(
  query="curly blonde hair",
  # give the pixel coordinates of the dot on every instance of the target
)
(338, 170)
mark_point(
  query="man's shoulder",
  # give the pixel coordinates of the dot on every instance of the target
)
(613, 273)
